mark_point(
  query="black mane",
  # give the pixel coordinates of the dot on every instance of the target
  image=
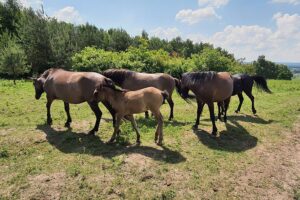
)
(118, 75)
(191, 78)
(46, 73)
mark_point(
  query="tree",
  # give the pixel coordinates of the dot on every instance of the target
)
(155, 43)
(272, 70)
(284, 72)
(211, 59)
(63, 43)
(145, 35)
(35, 39)
(13, 60)
(265, 68)
(188, 49)
(89, 35)
(119, 40)
(9, 17)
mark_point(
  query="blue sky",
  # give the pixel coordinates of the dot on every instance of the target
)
(247, 28)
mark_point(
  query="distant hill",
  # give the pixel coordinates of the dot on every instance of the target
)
(290, 65)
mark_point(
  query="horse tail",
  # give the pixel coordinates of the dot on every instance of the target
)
(165, 95)
(178, 85)
(261, 83)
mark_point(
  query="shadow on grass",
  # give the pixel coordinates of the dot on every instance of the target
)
(71, 142)
(151, 122)
(249, 118)
(246, 118)
(234, 139)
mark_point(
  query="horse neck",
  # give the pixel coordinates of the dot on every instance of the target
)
(115, 97)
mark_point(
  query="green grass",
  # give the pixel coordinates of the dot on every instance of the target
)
(190, 164)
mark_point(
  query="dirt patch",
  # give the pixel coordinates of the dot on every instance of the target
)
(276, 174)
(4, 132)
(138, 161)
(44, 187)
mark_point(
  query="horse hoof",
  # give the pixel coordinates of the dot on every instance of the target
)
(236, 111)
(49, 122)
(67, 125)
(214, 134)
(92, 132)
(195, 127)
(254, 112)
(159, 143)
(138, 143)
(111, 141)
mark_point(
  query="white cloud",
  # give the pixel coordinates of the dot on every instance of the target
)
(288, 26)
(207, 11)
(281, 44)
(294, 2)
(194, 16)
(214, 3)
(165, 33)
(68, 14)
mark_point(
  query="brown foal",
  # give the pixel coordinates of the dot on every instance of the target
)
(126, 103)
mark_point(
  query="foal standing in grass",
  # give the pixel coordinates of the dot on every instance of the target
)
(131, 80)
(126, 103)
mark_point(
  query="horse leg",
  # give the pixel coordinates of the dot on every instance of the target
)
(116, 130)
(95, 108)
(220, 110)
(111, 111)
(171, 104)
(241, 98)
(159, 129)
(212, 118)
(134, 125)
(48, 105)
(226, 105)
(147, 114)
(199, 111)
(69, 119)
(249, 94)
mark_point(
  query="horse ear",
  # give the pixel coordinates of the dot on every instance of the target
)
(109, 82)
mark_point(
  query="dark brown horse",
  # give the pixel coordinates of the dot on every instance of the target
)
(70, 87)
(134, 81)
(126, 103)
(244, 83)
(209, 87)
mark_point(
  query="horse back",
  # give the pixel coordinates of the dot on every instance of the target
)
(160, 81)
(216, 89)
(144, 99)
(72, 87)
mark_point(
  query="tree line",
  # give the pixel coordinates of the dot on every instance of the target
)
(31, 42)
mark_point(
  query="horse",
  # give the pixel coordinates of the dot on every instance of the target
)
(126, 103)
(70, 87)
(208, 87)
(244, 83)
(135, 80)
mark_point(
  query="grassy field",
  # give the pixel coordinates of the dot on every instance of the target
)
(42, 162)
